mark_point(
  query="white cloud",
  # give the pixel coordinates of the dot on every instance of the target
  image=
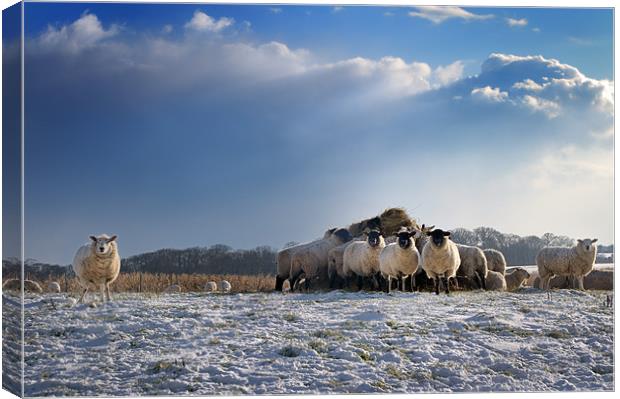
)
(549, 108)
(536, 30)
(489, 94)
(527, 84)
(439, 14)
(167, 29)
(202, 22)
(516, 22)
(444, 75)
(83, 33)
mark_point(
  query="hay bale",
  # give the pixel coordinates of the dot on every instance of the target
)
(389, 222)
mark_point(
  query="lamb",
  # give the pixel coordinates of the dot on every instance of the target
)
(53, 286)
(172, 289)
(361, 258)
(400, 259)
(515, 278)
(495, 281)
(473, 264)
(440, 258)
(225, 286)
(283, 265)
(495, 260)
(97, 264)
(311, 259)
(576, 262)
(335, 272)
(211, 286)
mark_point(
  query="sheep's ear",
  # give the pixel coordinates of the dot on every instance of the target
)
(446, 234)
(579, 241)
(112, 238)
(93, 238)
(594, 240)
(431, 228)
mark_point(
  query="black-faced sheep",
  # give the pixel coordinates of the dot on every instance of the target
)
(97, 264)
(361, 259)
(575, 262)
(400, 260)
(440, 258)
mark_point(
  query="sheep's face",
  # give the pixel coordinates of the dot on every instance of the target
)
(405, 239)
(587, 245)
(374, 238)
(438, 237)
(103, 244)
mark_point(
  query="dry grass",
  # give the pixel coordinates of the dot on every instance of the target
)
(130, 282)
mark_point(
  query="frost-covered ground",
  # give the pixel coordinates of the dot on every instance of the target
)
(320, 343)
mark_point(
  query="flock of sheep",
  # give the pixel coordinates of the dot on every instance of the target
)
(393, 248)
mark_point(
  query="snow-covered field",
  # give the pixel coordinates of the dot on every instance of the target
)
(335, 342)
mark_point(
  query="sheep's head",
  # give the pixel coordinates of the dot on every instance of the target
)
(438, 237)
(103, 244)
(405, 238)
(329, 232)
(374, 238)
(342, 235)
(522, 273)
(587, 245)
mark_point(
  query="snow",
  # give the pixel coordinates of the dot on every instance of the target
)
(336, 342)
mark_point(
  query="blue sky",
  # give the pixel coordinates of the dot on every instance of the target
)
(182, 125)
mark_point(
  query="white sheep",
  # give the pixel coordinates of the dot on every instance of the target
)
(495, 281)
(473, 264)
(335, 272)
(283, 261)
(515, 278)
(53, 287)
(495, 260)
(361, 258)
(211, 286)
(225, 286)
(97, 264)
(312, 259)
(173, 289)
(286, 287)
(440, 258)
(400, 259)
(14, 284)
(575, 262)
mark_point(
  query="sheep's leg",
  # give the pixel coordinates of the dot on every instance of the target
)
(447, 286)
(307, 285)
(544, 282)
(436, 282)
(484, 283)
(294, 279)
(102, 292)
(580, 281)
(413, 287)
(83, 294)
(279, 283)
(360, 282)
(107, 291)
(389, 284)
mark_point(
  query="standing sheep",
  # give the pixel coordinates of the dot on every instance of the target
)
(361, 258)
(440, 258)
(400, 259)
(311, 259)
(495, 281)
(225, 286)
(515, 278)
(211, 286)
(495, 260)
(97, 264)
(335, 272)
(473, 264)
(574, 262)
(283, 260)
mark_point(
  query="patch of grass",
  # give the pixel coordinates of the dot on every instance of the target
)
(395, 372)
(289, 351)
(365, 356)
(318, 345)
(557, 334)
(392, 324)
(215, 341)
(290, 317)
(327, 333)
(381, 385)
(525, 309)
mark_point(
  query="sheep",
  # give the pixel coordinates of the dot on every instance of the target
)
(473, 264)
(495, 281)
(283, 261)
(53, 287)
(515, 278)
(98, 264)
(173, 289)
(361, 258)
(211, 286)
(311, 259)
(495, 260)
(14, 284)
(576, 262)
(335, 272)
(225, 286)
(400, 259)
(286, 287)
(440, 258)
